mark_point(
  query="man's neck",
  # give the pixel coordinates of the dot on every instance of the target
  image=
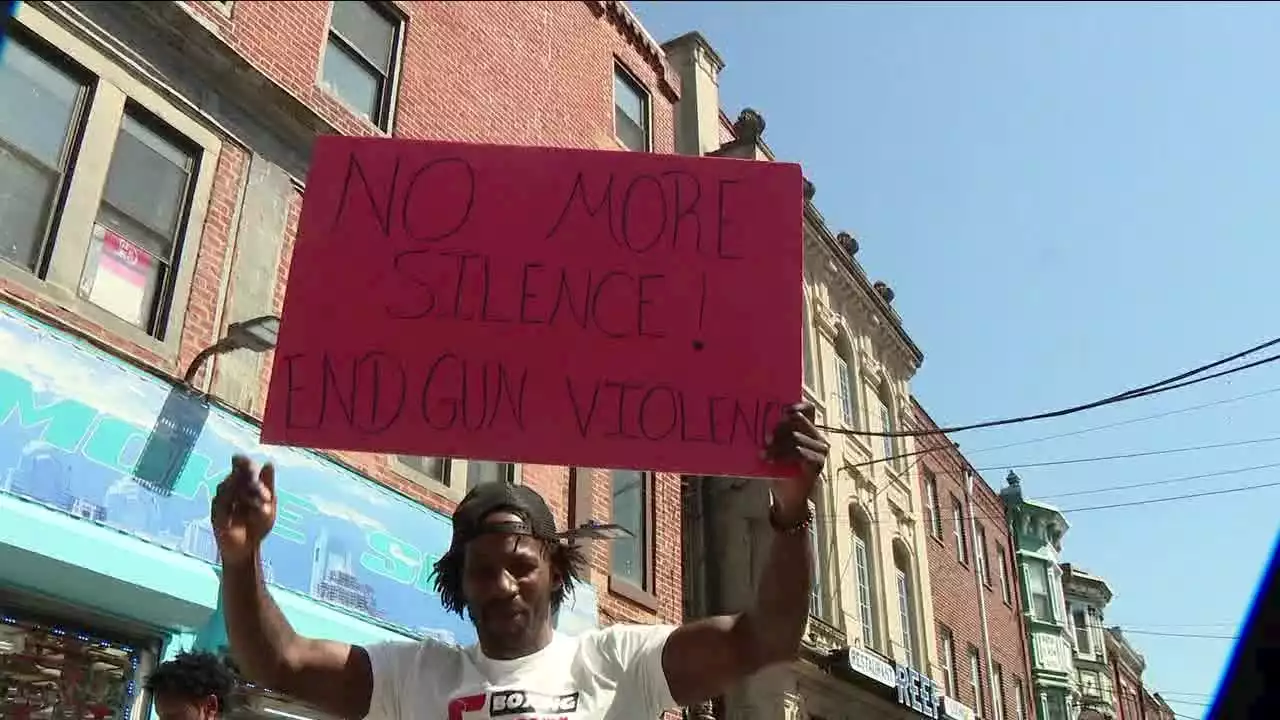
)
(543, 639)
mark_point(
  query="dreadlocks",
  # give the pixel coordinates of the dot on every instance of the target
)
(568, 561)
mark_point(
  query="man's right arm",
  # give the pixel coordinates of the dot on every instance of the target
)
(331, 676)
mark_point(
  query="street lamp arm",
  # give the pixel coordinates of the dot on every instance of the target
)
(200, 359)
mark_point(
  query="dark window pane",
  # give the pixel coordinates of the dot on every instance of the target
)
(39, 102)
(367, 29)
(353, 81)
(147, 183)
(630, 113)
(484, 471)
(27, 193)
(628, 556)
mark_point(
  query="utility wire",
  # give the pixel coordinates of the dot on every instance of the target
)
(1090, 508)
(1172, 383)
(1166, 481)
(1092, 458)
(1201, 636)
(1082, 431)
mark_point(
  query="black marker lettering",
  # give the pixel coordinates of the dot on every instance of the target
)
(583, 425)
(685, 212)
(410, 202)
(460, 289)
(291, 389)
(375, 360)
(579, 190)
(329, 377)
(526, 295)
(566, 292)
(685, 436)
(402, 269)
(515, 398)
(643, 302)
(625, 224)
(382, 215)
(488, 288)
(426, 392)
(595, 302)
(624, 388)
(673, 411)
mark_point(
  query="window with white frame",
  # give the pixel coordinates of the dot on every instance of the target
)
(845, 388)
(103, 185)
(1006, 588)
(454, 478)
(631, 111)
(1038, 590)
(1083, 644)
(806, 338)
(817, 588)
(631, 556)
(888, 444)
(975, 682)
(947, 648)
(957, 530)
(361, 57)
(997, 692)
(980, 555)
(864, 569)
(906, 607)
(1019, 700)
(931, 503)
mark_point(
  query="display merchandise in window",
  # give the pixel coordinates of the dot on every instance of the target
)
(50, 672)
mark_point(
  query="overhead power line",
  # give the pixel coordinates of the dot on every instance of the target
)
(1171, 383)
(833, 517)
(1200, 636)
(1096, 458)
(1166, 481)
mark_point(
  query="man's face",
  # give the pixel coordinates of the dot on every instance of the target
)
(173, 707)
(507, 581)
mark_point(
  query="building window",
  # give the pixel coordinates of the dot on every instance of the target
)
(957, 529)
(484, 471)
(1038, 590)
(906, 605)
(1019, 700)
(980, 555)
(865, 569)
(889, 444)
(1006, 589)
(360, 58)
(631, 566)
(845, 388)
(931, 504)
(136, 236)
(975, 682)
(817, 588)
(1083, 644)
(630, 111)
(430, 468)
(36, 142)
(48, 671)
(1055, 707)
(102, 185)
(997, 692)
(947, 648)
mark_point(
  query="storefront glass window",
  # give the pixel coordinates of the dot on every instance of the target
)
(55, 673)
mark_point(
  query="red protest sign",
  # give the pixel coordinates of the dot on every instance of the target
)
(550, 306)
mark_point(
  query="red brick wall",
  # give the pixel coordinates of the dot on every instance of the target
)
(955, 599)
(504, 72)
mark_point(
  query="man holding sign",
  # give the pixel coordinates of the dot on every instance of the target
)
(509, 570)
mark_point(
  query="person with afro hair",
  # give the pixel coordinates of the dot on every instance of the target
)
(191, 686)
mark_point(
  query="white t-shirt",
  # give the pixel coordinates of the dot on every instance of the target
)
(614, 673)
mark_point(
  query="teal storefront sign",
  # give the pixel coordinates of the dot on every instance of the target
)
(73, 425)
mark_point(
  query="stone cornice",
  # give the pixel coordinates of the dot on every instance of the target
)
(630, 28)
(854, 297)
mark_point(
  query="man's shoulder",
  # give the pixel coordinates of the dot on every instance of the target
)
(620, 641)
(427, 649)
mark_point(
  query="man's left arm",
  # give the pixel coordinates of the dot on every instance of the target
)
(701, 659)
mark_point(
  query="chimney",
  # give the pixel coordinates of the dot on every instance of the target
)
(698, 66)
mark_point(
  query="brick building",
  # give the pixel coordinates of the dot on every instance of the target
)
(1127, 666)
(982, 654)
(150, 185)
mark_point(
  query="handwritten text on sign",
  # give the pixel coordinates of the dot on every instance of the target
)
(562, 307)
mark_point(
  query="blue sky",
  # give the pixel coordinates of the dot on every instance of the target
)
(1068, 201)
